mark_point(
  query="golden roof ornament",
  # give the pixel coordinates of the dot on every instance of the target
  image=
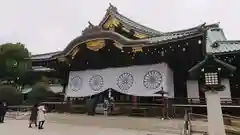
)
(95, 45)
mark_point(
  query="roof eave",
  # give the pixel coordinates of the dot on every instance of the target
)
(225, 53)
(207, 58)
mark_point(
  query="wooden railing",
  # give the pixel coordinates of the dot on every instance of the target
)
(202, 101)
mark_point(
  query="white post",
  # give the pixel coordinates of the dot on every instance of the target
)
(215, 117)
(109, 93)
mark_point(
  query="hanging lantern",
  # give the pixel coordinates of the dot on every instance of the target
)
(162, 53)
(199, 42)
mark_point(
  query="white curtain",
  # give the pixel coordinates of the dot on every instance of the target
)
(135, 80)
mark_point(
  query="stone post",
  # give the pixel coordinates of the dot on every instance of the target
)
(214, 114)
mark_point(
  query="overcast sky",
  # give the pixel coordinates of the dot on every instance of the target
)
(49, 25)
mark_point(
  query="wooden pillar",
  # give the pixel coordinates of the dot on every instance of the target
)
(134, 100)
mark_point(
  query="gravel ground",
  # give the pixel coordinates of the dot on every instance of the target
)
(122, 122)
(93, 123)
(14, 127)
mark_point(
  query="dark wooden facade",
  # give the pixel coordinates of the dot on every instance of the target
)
(119, 42)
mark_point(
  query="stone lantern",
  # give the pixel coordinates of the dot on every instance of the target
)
(211, 70)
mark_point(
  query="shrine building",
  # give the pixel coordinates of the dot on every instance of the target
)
(135, 60)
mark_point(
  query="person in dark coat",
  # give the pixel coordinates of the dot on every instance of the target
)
(33, 116)
(3, 110)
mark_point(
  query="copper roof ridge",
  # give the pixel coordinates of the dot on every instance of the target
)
(227, 41)
(185, 30)
(155, 31)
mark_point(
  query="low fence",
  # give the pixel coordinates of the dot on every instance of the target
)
(232, 123)
(151, 110)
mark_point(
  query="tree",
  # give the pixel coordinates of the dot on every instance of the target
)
(14, 62)
(40, 92)
(10, 94)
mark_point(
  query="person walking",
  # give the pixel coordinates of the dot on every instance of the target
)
(41, 116)
(33, 116)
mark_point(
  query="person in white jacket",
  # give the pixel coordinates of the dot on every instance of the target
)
(41, 116)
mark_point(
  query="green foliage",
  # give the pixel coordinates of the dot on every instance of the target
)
(40, 92)
(14, 61)
(10, 94)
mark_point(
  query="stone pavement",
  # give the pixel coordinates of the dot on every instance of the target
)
(14, 127)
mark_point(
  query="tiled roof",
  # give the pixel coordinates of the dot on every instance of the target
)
(112, 11)
(56, 88)
(214, 34)
(225, 46)
(217, 43)
(210, 58)
(134, 25)
(176, 34)
(41, 68)
(44, 56)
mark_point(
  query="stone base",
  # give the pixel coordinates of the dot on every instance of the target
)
(214, 111)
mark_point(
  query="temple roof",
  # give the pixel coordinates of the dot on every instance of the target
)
(227, 46)
(113, 12)
(215, 36)
(168, 36)
(56, 88)
(44, 56)
(41, 68)
(216, 42)
(208, 61)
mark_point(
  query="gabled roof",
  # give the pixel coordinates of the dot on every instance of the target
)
(41, 68)
(217, 42)
(56, 88)
(227, 46)
(178, 34)
(44, 56)
(126, 42)
(113, 12)
(210, 60)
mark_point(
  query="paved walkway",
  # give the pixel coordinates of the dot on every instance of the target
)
(78, 123)
(122, 122)
(15, 127)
